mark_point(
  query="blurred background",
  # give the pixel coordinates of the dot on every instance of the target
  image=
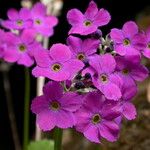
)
(135, 135)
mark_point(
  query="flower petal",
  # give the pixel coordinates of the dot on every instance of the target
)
(130, 28)
(82, 29)
(60, 52)
(146, 52)
(91, 11)
(28, 36)
(75, 44)
(53, 90)
(108, 133)
(11, 55)
(51, 21)
(108, 63)
(90, 46)
(46, 120)
(120, 49)
(38, 9)
(13, 14)
(117, 35)
(71, 101)
(92, 134)
(75, 17)
(73, 66)
(65, 119)
(25, 14)
(129, 111)
(39, 104)
(42, 58)
(102, 18)
(139, 72)
(46, 72)
(25, 60)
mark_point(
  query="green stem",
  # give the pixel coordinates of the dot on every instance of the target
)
(26, 109)
(58, 139)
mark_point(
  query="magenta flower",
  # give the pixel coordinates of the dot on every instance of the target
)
(127, 41)
(146, 51)
(18, 20)
(56, 64)
(103, 76)
(55, 109)
(82, 50)
(89, 22)
(95, 119)
(130, 70)
(42, 22)
(19, 48)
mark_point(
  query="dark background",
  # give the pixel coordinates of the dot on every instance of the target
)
(121, 11)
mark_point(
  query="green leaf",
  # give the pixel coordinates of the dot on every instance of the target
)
(41, 145)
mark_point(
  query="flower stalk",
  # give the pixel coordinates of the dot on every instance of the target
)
(26, 109)
(58, 138)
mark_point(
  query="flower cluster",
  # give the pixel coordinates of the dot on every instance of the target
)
(19, 44)
(92, 79)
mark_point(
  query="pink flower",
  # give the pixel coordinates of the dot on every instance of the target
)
(20, 47)
(18, 20)
(42, 22)
(89, 22)
(55, 109)
(82, 50)
(128, 41)
(96, 118)
(56, 64)
(104, 78)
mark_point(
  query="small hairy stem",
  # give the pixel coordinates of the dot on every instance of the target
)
(58, 138)
(26, 110)
(11, 112)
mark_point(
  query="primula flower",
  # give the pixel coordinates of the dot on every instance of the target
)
(127, 41)
(130, 71)
(103, 76)
(42, 22)
(82, 50)
(20, 47)
(56, 64)
(95, 119)
(88, 22)
(55, 109)
(18, 20)
(146, 51)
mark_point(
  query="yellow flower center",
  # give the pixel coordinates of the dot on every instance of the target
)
(38, 21)
(125, 71)
(80, 56)
(19, 22)
(126, 42)
(96, 119)
(104, 78)
(87, 23)
(56, 67)
(54, 105)
(22, 47)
